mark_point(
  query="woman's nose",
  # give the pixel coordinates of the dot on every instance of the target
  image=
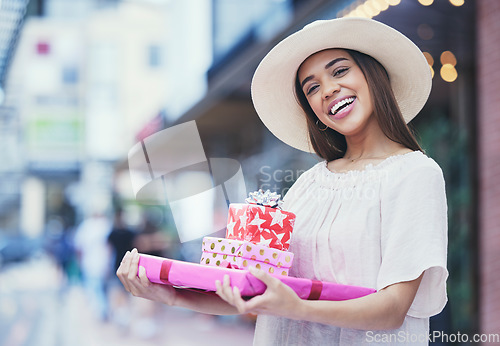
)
(330, 89)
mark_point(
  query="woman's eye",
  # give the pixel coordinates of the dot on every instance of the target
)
(312, 89)
(340, 71)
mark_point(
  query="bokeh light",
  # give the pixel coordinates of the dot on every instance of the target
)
(361, 12)
(429, 58)
(457, 2)
(380, 5)
(448, 73)
(448, 57)
(369, 8)
(426, 2)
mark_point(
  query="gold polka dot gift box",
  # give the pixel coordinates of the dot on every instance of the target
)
(240, 254)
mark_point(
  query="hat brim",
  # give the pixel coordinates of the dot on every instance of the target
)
(273, 84)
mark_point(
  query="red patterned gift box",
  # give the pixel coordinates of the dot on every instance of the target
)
(260, 225)
(239, 254)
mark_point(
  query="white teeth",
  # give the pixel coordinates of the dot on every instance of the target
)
(336, 106)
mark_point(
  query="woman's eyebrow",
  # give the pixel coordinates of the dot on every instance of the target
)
(307, 79)
(333, 62)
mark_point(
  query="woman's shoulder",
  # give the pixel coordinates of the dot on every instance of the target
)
(415, 161)
(414, 169)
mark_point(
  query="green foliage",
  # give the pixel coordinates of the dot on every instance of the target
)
(448, 144)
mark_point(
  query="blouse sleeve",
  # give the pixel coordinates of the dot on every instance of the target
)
(414, 236)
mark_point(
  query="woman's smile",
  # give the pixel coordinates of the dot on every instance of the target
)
(341, 107)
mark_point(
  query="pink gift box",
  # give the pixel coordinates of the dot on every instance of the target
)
(238, 254)
(196, 276)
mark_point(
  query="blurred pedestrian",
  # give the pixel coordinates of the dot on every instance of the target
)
(121, 239)
(91, 244)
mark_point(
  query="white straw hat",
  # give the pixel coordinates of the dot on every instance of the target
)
(273, 84)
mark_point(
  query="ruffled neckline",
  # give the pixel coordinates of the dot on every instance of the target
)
(370, 166)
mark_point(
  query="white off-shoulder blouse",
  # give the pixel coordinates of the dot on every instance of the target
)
(374, 227)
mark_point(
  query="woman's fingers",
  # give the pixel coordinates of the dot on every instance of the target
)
(226, 283)
(224, 289)
(127, 272)
(264, 277)
(135, 281)
(134, 264)
(143, 278)
(240, 304)
(123, 269)
(278, 299)
(218, 287)
(232, 295)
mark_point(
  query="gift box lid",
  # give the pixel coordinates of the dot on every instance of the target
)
(197, 276)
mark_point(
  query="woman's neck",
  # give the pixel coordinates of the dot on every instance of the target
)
(372, 144)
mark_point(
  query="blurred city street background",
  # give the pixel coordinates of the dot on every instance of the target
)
(90, 92)
(38, 308)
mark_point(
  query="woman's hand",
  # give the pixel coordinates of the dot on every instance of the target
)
(140, 286)
(278, 299)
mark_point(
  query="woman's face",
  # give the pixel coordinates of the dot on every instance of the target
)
(337, 92)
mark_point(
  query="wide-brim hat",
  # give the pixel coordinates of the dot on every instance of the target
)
(273, 84)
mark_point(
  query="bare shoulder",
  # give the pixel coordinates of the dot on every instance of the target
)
(403, 151)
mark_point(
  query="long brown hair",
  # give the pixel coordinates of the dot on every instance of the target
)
(330, 144)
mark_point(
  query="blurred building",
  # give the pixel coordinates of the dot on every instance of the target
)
(86, 77)
(12, 13)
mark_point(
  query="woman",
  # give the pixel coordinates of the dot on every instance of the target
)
(373, 213)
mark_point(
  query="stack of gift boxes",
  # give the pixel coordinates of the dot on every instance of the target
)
(257, 235)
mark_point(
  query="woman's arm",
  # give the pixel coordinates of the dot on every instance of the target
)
(140, 286)
(385, 309)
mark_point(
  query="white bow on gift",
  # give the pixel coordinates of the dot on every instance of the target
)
(266, 199)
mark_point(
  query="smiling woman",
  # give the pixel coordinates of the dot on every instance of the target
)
(371, 214)
(374, 211)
